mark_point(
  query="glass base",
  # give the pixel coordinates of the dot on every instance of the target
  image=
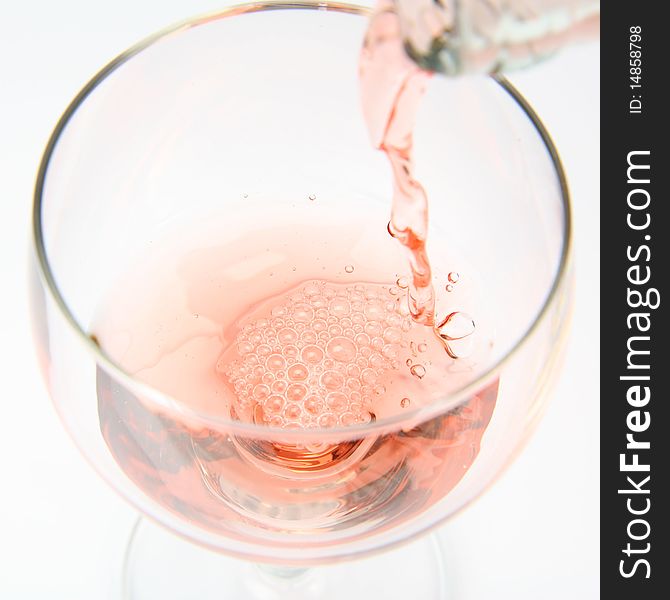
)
(161, 565)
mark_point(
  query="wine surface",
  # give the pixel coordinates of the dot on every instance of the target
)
(310, 325)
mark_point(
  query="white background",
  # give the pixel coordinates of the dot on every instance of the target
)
(533, 536)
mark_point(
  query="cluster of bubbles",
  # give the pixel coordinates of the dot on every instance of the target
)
(318, 359)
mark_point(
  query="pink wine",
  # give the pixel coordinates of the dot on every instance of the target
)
(298, 333)
(306, 327)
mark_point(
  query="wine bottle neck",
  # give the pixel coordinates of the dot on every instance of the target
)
(487, 36)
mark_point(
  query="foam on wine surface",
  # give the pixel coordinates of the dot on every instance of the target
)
(325, 355)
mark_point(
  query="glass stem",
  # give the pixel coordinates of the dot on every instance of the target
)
(287, 583)
(281, 574)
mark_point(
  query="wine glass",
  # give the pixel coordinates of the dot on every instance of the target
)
(241, 119)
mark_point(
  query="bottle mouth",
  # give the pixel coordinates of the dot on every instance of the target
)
(250, 429)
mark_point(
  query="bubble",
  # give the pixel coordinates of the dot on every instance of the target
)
(449, 287)
(290, 352)
(373, 329)
(311, 289)
(453, 277)
(456, 326)
(263, 350)
(337, 401)
(312, 197)
(313, 405)
(296, 392)
(393, 320)
(318, 301)
(308, 336)
(279, 386)
(377, 343)
(335, 330)
(303, 313)
(368, 376)
(251, 360)
(341, 349)
(402, 282)
(339, 307)
(419, 371)
(362, 340)
(349, 268)
(319, 325)
(274, 404)
(405, 402)
(287, 336)
(332, 380)
(377, 361)
(268, 378)
(261, 391)
(422, 347)
(374, 311)
(244, 347)
(392, 335)
(348, 418)
(292, 411)
(379, 389)
(312, 354)
(353, 383)
(389, 351)
(297, 372)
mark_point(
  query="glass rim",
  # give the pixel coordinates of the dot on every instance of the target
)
(172, 404)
